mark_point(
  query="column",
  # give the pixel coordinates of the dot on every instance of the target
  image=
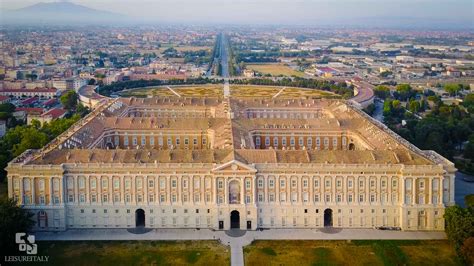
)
(10, 187)
(226, 200)
(111, 189)
(430, 190)
(168, 189)
(277, 189)
(180, 185)
(451, 189)
(33, 188)
(122, 190)
(333, 189)
(403, 187)
(191, 181)
(99, 190)
(133, 180)
(145, 189)
(253, 190)
(61, 189)
(242, 191)
(20, 198)
(76, 191)
(51, 191)
(265, 189)
(413, 190)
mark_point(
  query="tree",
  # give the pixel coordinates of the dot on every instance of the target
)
(459, 225)
(13, 219)
(404, 91)
(452, 89)
(69, 100)
(91, 82)
(469, 201)
(382, 91)
(414, 106)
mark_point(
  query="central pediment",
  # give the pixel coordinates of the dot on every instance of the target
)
(234, 166)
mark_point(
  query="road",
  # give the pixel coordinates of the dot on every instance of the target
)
(224, 56)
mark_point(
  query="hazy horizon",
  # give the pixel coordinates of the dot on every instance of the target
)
(402, 13)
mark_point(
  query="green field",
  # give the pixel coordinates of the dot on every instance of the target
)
(359, 252)
(135, 253)
(185, 91)
(270, 91)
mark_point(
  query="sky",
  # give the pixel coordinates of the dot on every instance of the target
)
(296, 12)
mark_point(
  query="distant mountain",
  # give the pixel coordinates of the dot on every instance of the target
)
(59, 13)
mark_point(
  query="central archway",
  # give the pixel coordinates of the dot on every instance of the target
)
(140, 218)
(327, 217)
(235, 220)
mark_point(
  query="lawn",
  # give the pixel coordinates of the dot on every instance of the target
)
(135, 253)
(370, 252)
(185, 91)
(275, 70)
(270, 91)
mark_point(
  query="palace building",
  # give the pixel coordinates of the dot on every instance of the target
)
(220, 163)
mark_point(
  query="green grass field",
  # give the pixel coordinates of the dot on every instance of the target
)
(370, 252)
(135, 253)
(270, 91)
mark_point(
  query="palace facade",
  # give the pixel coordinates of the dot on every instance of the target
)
(225, 163)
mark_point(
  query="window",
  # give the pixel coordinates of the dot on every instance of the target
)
(316, 198)
(169, 142)
(328, 198)
(220, 184)
(349, 183)
(309, 142)
(116, 141)
(128, 198)
(422, 184)
(70, 198)
(292, 141)
(361, 198)
(203, 141)
(394, 183)
(127, 183)
(42, 201)
(116, 197)
(177, 141)
(282, 183)
(318, 142)
(334, 143)
(195, 141)
(173, 183)
(301, 141)
(328, 183)
(361, 183)
(93, 198)
(105, 198)
(384, 184)
(143, 140)
(125, 141)
(116, 183)
(151, 183)
(81, 183)
(134, 141)
(105, 183)
(271, 183)
(160, 141)
(162, 198)
(186, 141)
(339, 198)
(257, 141)
(293, 183)
(316, 183)
(152, 141)
(349, 198)
(271, 197)
(260, 183)
(305, 182)
(267, 141)
(139, 183)
(151, 198)
(372, 198)
(247, 184)
(421, 199)
(275, 141)
(260, 197)
(283, 142)
(338, 183)
(282, 196)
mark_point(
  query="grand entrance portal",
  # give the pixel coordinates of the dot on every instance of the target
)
(234, 219)
(140, 218)
(328, 217)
